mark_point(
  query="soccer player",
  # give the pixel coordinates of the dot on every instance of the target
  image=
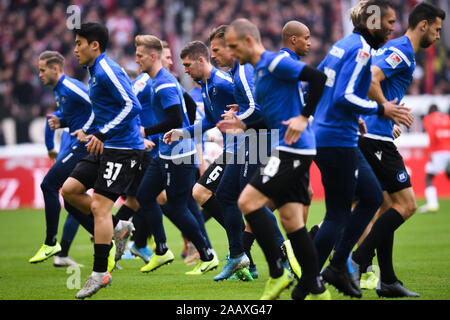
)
(437, 126)
(74, 108)
(173, 169)
(296, 39)
(392, 70)
(220, 184)
(71, 225)
(283, 179)
(142, 89)
(115, 148)
(237, 175)
(345, 172)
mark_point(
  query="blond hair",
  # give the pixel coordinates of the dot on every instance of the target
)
(150, 42)
(357, 11)
(52, 57)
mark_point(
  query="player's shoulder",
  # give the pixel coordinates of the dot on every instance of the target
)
(397, 51)
(141, 82)
(164, 80)
(74, 88)
(221, 77)
(70, 82)
(108, 68)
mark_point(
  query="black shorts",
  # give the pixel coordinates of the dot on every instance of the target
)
(111, 174)
(285, 178)
(212, 176)
(386, 163)
(146, 158)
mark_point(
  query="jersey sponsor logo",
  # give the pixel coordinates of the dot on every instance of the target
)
(363, 57)
(402, 176)
(378, 154)
(331, 77)
(337, 52)
(394, 60)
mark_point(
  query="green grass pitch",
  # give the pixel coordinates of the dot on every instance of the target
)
(421, 260)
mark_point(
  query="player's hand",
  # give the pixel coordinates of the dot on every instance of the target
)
(296, 126)
(397, 131)
(94, 146)
(149, 145)
(233, 107)
(81, 136)
(143, 131)
(399, 114)
(52, 154)
(229, 114)
(53, 121)
(362, 128)
(233, 126)
(172, 136)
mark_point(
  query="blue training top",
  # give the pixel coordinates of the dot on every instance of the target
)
(347, 67)
(114, 105)
(217, 93)
(142, 89)
(396, 60)
(277, 92)
(73, 104)
(167, 92)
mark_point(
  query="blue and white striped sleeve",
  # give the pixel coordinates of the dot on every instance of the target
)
(350, 80)
(246, 78)
(121, 90)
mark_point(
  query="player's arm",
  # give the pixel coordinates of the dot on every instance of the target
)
(253, 112)
(289, 69)
(189, 132)
(347, 93)
(375, 90)
(191, 107)
(49, 141)
(173, 120)
(120, 89)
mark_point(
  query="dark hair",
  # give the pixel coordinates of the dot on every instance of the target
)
(433, 108)
(424, 11)
(195, 49)
(218, 33)
(92, 31)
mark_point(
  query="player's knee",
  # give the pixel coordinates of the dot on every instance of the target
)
(201, 194)
(409, 207)
(162, 198)
(66, 191)
(245, 205)
(132, 203)
(45, 185)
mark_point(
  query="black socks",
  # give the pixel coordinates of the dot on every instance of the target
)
(212, 206)
(101, 252)
(264, 231)
(381, 237)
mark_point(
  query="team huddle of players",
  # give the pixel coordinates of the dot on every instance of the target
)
(141, 141)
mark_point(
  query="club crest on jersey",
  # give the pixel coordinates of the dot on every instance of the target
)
(402, 176)
(363, 57)
(394, 60)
